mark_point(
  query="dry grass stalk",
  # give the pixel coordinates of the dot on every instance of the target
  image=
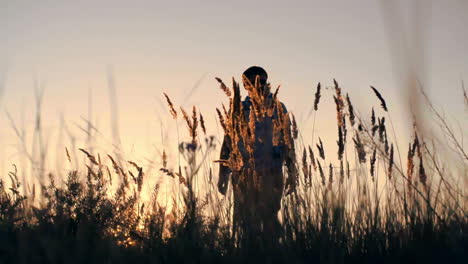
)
(109, 174)
(345, 130)
(286, 128)
(372, 164)
(139, 178)
(186, 117)
(386, 145)
(202, 124)
(382, 101)
(236, 99)
(452, 138)
(360, 128)
(164, 159)
(193, 130)
(339, 104)
(68, 155)
(225, 111)
(416, 145)
(348, 171)
(390, 163)
(340, 142)
(312, 158)
(375, 129)
(306, 168)
(223, 87)
(192, 124)
(173, 174)
(171, 106)
(221, 120)
(321, 149)
(422, 172)
(410, 167)
(89, 156)
(295, 131)
(317, 97)
(341, 172)
(322, 175)
(382, 129)
(373, 117)
(275, 95)
(465, 95)
(115, 166)
(352, 116)
(360, 148)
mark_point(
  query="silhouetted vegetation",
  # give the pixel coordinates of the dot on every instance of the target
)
(369, 203)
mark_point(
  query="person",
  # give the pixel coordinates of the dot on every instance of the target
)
(258, 185)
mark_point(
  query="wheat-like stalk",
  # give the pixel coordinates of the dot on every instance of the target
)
(202, 124)
(171, 106)
(352, 117)
(321, 149)
(390, 163)
(317, 97)
(381, 99)
(223, 87)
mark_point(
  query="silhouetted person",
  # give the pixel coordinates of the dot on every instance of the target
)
(258, 190)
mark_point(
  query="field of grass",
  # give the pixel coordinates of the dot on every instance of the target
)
(371, 202)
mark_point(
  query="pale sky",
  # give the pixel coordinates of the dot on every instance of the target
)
(174, 46)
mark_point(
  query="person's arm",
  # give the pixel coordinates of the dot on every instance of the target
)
(224, 171)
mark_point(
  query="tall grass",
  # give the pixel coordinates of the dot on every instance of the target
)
(365, 203)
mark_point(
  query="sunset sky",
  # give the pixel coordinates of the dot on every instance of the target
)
(178, 47)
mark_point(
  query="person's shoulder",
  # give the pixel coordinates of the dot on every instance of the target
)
(246, 101)
(283, 106)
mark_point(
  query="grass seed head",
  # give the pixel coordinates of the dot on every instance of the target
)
(352, 117)
(330, 175)
(322, 175)
(360, 149)
(390, 163)
(202, 123)
(381, 99)
(317, 97)
(372, 164)
(221, 120)
(171, 106)
(410, 167)
(223, 87)
(340, 142)
(295, 131)
(312, 158)
(422, 172)
(341, 172)
(321, 149)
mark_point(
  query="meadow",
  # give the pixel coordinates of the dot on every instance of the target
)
(371, 201)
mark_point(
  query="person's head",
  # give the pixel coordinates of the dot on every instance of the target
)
(252, 73)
